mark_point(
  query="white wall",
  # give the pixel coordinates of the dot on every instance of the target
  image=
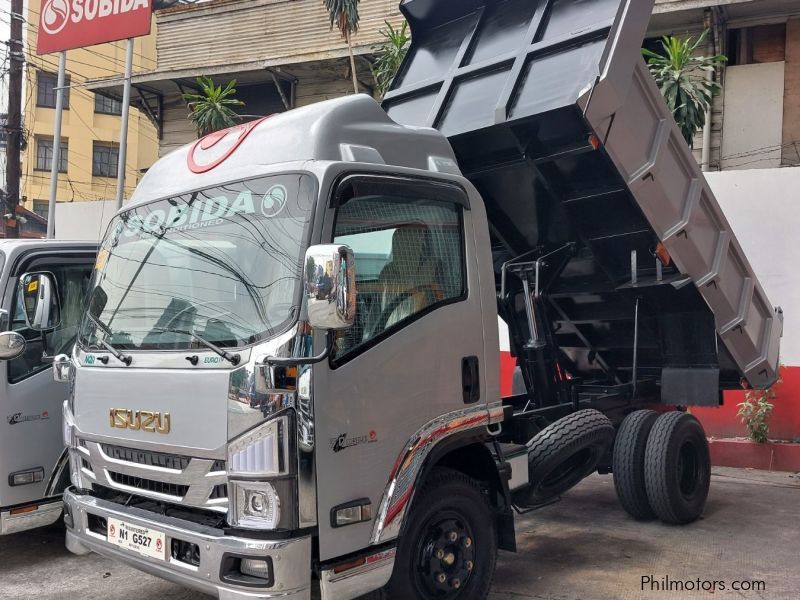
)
(762, 208)
(83, 220)
(752, 132)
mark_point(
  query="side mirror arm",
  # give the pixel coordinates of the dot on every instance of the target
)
(299, 361)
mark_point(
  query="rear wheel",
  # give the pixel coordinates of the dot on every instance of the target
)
(677, 468)
(565, 452)
(449, 548)
(628, 463)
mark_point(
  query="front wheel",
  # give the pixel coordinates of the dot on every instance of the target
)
(449, 548)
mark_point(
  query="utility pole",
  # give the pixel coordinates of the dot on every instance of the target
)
(14, 120)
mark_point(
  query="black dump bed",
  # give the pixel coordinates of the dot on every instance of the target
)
(555, 119)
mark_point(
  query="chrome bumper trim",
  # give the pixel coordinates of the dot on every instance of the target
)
(291, 559)
(47, 514)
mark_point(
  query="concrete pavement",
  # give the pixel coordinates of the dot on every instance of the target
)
(581, 548)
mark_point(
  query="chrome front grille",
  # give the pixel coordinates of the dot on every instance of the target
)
(148, 485)
(144, 457)
(184, 480)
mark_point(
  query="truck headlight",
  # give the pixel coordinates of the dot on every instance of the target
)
(262, 451)
(261, 477)
(256, 505)
(67, 426)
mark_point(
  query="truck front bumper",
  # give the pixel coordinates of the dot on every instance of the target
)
(291, 559)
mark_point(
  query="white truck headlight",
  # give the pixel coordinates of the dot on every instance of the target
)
(261, 477)
(256, 505)
(262, 451)
(67, 426)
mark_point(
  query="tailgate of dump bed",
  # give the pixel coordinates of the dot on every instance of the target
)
(555, 119)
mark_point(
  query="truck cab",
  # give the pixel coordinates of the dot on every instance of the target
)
(258, 334)
(33, 462)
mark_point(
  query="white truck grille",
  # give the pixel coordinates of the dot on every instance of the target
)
(184, 480)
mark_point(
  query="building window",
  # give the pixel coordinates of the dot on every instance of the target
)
(46, 84)
(44, 155)
(754, 45)
(105, 105)
(40, 207)
(104, 159)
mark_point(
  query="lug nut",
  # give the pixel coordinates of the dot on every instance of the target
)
(441, 577)
(470, 565)
(455, 583)
(467, 542)
(452, 536)
(440, 554)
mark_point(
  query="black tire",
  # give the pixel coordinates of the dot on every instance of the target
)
(628, 463)
(677, 468)
(565, 452)
(448, 503)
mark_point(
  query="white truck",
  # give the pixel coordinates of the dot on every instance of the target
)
(287, 378)
(34, 467)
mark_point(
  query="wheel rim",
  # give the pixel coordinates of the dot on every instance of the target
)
(688, 469)
(445, 556)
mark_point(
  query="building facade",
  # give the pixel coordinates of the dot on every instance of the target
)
(282, 54)
(91, 123)
(755, 122)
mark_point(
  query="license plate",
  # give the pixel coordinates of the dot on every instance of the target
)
(142, 540)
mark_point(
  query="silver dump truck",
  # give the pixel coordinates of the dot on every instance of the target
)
(34, 467)
(286, 382)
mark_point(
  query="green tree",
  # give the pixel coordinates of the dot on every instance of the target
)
(344, 15)
(681, 77)
(389, 55)
(212, 107)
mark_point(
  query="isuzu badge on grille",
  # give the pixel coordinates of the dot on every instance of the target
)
(146, 420)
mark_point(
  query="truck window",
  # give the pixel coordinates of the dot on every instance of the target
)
(73, 282)
(409, 260)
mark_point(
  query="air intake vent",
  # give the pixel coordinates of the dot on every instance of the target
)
(144, 457)
(148, 485)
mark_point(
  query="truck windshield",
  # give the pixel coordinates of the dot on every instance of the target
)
(222, 264)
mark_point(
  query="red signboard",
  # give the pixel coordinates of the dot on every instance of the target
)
(67, 24)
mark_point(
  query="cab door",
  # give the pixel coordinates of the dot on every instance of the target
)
(419, 325)
(30, 430)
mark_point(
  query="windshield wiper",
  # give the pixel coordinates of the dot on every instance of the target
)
(123, 358)
(234, 359)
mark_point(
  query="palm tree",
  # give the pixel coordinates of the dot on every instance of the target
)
(682, 79)
(344, 14)
(389, 55)
(212, 107)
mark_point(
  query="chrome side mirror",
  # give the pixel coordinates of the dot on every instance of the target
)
(12, 344)
(62, 368)
(329, 284)
(38, 295)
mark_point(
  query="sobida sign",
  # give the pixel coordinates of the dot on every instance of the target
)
(67, 24)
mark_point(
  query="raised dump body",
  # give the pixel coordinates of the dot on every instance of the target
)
(634, 269)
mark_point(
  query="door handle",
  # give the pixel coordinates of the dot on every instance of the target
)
(470, 379)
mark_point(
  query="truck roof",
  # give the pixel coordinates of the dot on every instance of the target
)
(350, 129)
